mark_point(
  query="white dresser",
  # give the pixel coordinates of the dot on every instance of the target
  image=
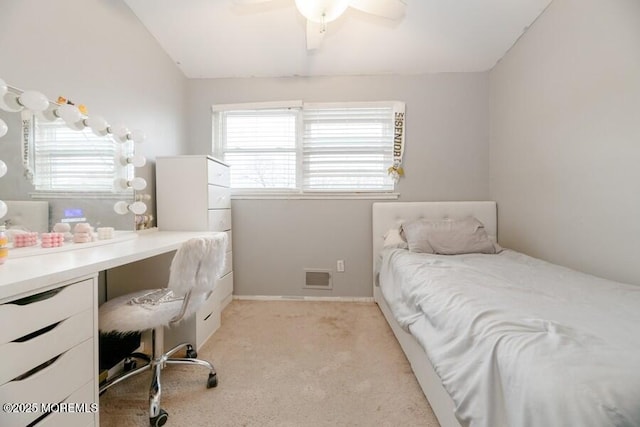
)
(49, 358)
(192, 194)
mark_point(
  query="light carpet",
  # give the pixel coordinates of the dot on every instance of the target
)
(286, 363)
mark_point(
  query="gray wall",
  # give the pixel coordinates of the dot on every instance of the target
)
(96, 53)
(446, 159)
(565, 138)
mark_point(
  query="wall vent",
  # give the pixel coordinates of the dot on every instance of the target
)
(317, 279)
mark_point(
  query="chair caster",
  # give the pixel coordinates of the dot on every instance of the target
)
(129, 364)
(191, 353)
(212, 381)
(160, 419)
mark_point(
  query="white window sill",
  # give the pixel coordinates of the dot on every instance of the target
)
(313, 196)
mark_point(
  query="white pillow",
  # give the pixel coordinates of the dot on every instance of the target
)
(393, 239)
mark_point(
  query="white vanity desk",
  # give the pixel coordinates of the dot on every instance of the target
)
(60, 288)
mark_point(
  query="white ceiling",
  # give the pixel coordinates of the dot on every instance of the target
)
(220, 38)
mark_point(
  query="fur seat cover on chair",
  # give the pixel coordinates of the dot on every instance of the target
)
(196, 266)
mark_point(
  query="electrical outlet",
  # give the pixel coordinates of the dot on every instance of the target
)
(340, 266)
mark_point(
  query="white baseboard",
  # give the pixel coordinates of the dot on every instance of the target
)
(301, 298)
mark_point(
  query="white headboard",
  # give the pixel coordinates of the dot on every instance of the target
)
(391, 215)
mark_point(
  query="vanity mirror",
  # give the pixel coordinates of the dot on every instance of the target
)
(79, 164)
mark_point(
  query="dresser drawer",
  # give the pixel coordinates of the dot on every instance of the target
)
(229, 240)
(219, 219)
(43, 309)
(217, 173)
(218, 197)
(224, 290)
(207, 319)
(52, 384)
(228, 264)
(20, 356)
(86, 410)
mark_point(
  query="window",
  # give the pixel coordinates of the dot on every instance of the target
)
(261, 146)
(307, 148)
(63, 160)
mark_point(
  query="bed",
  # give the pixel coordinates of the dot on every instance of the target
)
(505, 339)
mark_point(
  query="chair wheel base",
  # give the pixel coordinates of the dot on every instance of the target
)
(212, 381)
(160, 419)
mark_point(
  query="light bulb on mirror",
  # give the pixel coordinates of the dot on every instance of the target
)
(71, 115)
(137, 160)
(49, 114)
(33, 100)
(3, 128)
(3, 168)
(120, 132)
(3, 209)
(98, 125)
(121, 207)
(9, 102)
(138, 208)
(138, 183)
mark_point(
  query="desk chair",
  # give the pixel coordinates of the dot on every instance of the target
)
(193, 274)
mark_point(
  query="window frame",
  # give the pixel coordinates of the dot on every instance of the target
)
(299, 192)
(120, 170)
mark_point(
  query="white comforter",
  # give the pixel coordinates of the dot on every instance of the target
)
(521, 342)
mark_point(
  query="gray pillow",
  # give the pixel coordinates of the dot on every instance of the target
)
(448, 236)
(416, 234)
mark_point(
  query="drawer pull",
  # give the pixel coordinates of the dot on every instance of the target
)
(45, 414)
(37, 297)
(37, 369)
(32, 335)
(40, 418)
(205, 319)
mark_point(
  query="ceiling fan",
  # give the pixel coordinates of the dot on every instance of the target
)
(321, 12)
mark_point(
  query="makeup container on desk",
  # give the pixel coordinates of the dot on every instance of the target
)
(4, 243)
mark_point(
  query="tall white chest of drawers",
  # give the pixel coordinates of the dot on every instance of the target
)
(192, 194)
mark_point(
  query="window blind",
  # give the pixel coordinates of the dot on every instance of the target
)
(307, 148)
(70, 160)
(261, 147)
(347, 149)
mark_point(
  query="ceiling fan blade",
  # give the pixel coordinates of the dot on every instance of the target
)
(390, 9)
(315, 34)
